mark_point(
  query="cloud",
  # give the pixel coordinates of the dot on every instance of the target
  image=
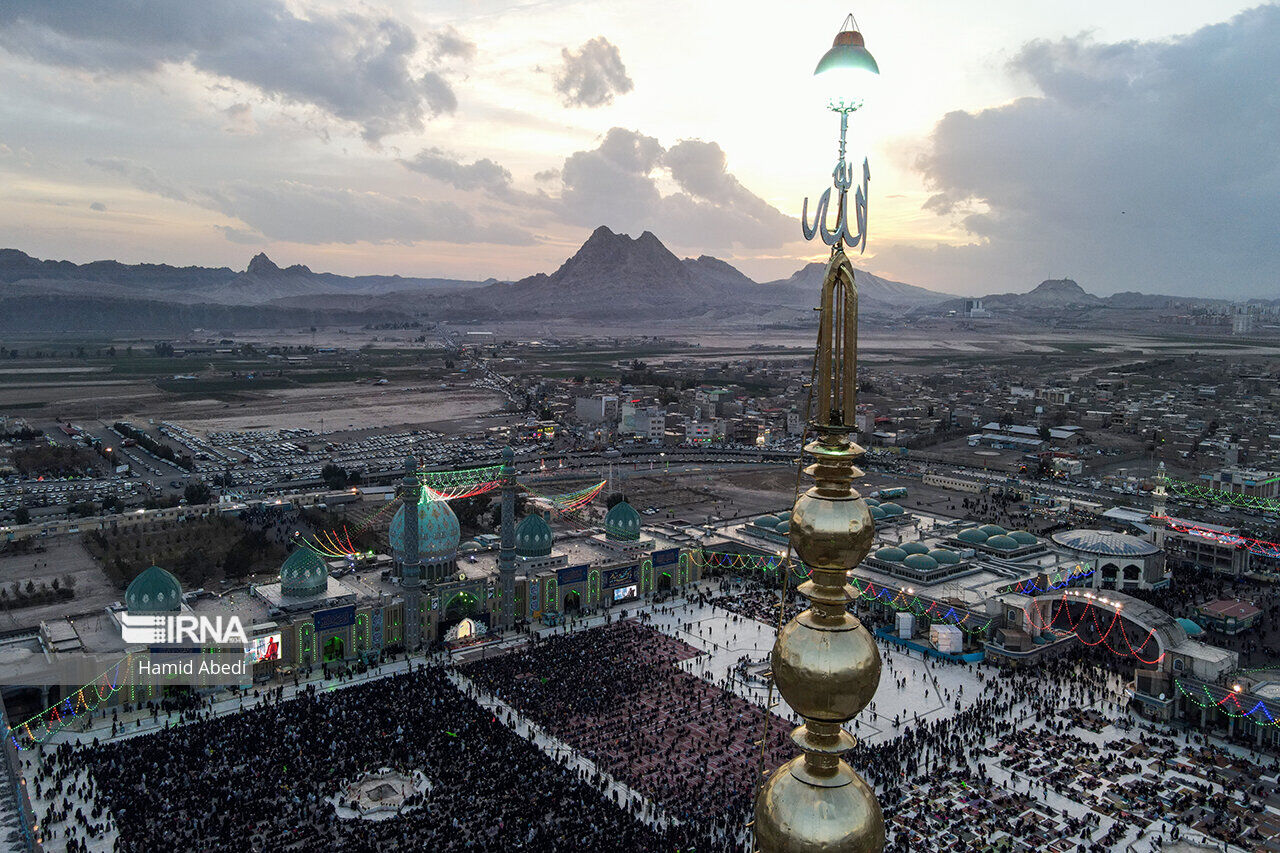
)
(1139, 166)
(98, 206)
(241, 236)
(240, 119)
(355, 65)
(593, 75)
(617, 184)
(480, 175)
(142, 177)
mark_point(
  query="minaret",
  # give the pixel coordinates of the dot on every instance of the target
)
(1159, 517)
(507, 556)
(825, 662)
(411, 564)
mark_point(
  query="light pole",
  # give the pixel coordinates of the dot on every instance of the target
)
(825, 663)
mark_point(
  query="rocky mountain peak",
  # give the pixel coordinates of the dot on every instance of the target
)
(260, 264)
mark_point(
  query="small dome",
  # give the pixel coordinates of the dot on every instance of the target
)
(891, 508)
(993, 530)
(769, 521)
(153, 591)
(1192, 629)
(438, 532)
(944, 556)
(304, 573)
(785, 515)
(877, 512)
(533, 537)
(622, 523)
(783, 527)
(1023, 537)
(1003, 543)
(915, 548)
(972, 535)
(873, 502)
(891, 554)
(469, 547)
(920, 562)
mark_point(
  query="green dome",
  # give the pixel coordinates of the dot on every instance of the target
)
(438, 532)
(304, 573)
(1022, 537)
(943, 556)
(972, 535)
(915, 548)
(877, 512)
(920, 562)
(993, 530)
(873, 502)
(891, 508)
(533, 537)
(153, 591)
(469, 547)
(622, 523)
(891, 554)
(1003, 543)
(769, 521)
(783, 527)
(1192, 628)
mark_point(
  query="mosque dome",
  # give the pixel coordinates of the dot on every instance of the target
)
(891, 554)
(1192, 628)
(783, 527)
(972, 535)
(769, 521)
(873, 502)
(304, 573)
(993, 530)
(438, 532)
(1002, 542)
(944, 556)
(891, 508)
(1023, 537)
(153, 591)
(920, 562)
(915, 548)
(622, 522)
(533, 537)
(877, 512)
(471, 546)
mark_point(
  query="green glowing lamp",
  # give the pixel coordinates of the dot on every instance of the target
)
(848, 70)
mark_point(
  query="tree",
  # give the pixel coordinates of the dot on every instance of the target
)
(1044, 433)
(614, 499)
(22, 515)
(197, 493)
(334, 476)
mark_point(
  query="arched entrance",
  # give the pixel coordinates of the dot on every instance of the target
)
(335, 648)
(572, 601)
(664, 582)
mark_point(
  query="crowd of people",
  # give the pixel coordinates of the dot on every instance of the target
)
(615, 694)
(262, 780)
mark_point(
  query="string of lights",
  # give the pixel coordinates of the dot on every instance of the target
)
(1257, 546)
(40, 727)
(1092, 602)
(906, 600)
(1221, 496)
(1229, 697)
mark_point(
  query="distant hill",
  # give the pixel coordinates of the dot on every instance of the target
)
(875, 294)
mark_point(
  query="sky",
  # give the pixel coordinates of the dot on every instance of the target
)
(1008, 142)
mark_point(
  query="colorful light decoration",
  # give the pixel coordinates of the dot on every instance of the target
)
(1092, 602)
(571, 501)
(1220, 496)
(905, 599)
(1256, 546)
(1229, 697)
(767, 564)
(51, 720)
(443, 481)
(1030, 586)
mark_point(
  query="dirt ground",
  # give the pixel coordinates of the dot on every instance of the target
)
(64, 555)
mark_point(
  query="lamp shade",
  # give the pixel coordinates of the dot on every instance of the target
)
(846, 71)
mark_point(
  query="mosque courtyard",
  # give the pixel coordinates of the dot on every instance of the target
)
(963, 757)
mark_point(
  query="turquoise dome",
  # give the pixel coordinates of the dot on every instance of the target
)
(920, 562)
(993, 530)
(891, 508)
(915, 548)
(1003, 543)
(471, 546)
(944, 556)
(622, 523)
(533, 537)
(1192, 629)
(153, 591)
(891, 554)
(783, 527)
(873, 502)
(1023, 537)
(877, 512)
(972, 535)
(304, 573)
(438, 532)
(769, 521)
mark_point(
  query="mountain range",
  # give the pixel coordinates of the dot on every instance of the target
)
(612, 277)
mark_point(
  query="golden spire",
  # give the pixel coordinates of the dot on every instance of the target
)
(825, 663)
